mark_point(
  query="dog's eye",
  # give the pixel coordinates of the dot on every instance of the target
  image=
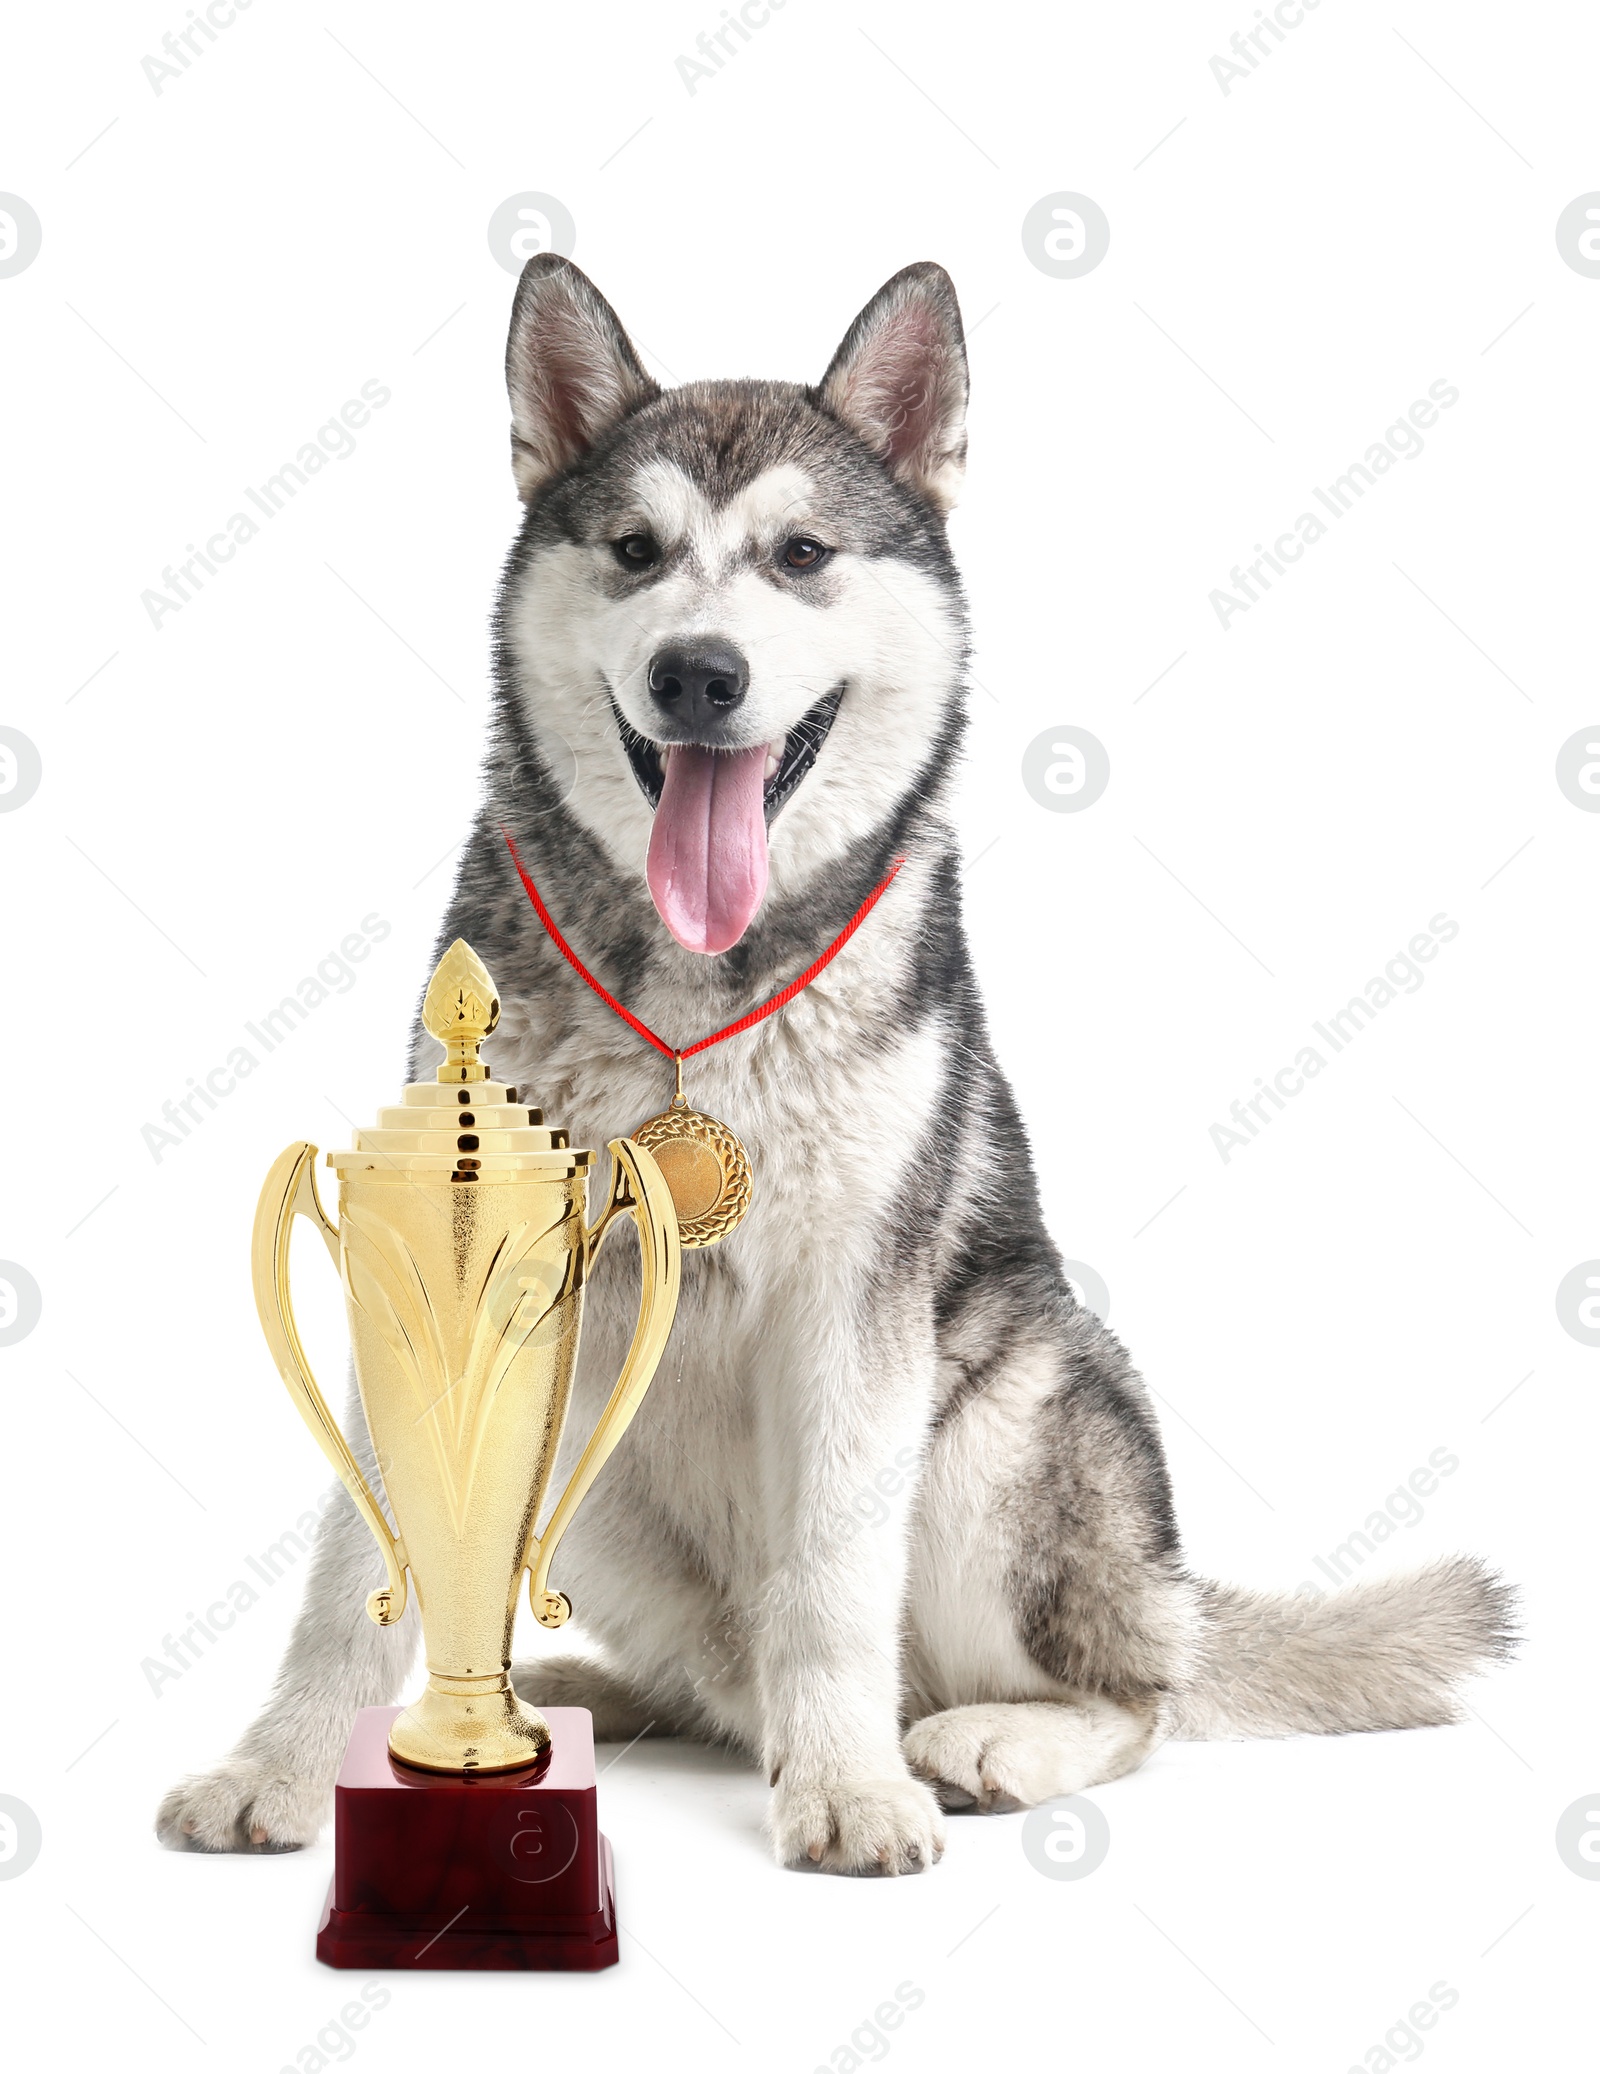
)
(636, 551)
(804, 554)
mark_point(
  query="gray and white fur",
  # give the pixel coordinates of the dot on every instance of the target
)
(895, 1518)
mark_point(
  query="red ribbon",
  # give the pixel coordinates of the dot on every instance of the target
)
(745, 1022)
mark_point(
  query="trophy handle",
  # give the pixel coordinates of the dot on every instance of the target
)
(291, 1191)
(638, 1190)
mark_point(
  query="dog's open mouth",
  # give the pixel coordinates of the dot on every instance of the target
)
(784, 769)
(708, 847)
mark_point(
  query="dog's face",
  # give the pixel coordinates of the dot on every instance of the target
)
(732, 603)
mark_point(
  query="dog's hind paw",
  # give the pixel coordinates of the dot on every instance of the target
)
(242, 1806)
(865, 1826)
(1005, 1756)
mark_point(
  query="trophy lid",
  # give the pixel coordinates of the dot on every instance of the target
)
(461, 1126)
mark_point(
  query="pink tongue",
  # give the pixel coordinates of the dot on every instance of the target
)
(708, 849)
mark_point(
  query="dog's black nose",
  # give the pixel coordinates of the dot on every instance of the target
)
(699, 683)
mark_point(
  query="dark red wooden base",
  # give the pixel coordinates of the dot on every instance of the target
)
(476, 1872)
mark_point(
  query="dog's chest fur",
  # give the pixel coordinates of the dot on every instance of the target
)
(736, 1431)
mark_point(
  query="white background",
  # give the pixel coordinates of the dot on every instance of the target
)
(224, 799)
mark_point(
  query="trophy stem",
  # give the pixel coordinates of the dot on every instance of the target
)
(470, 1724)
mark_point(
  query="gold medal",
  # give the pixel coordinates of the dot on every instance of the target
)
(706, 1169)
(704, 1166)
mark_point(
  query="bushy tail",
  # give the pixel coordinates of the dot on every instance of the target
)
(1386, 1652)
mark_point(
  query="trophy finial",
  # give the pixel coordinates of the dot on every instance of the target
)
(460, 1008)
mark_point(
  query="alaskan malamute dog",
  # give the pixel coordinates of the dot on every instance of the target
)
(895, 1517)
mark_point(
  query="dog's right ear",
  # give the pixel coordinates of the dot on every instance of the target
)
(570, 367)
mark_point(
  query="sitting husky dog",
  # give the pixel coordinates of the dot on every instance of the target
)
(895, 1517)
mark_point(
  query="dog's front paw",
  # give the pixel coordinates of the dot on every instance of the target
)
(857, 1825)
(242, 1806)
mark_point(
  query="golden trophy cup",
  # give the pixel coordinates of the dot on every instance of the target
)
(463, 1247)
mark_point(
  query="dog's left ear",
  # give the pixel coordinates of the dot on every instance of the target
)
(570, 367)
(899, 381)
